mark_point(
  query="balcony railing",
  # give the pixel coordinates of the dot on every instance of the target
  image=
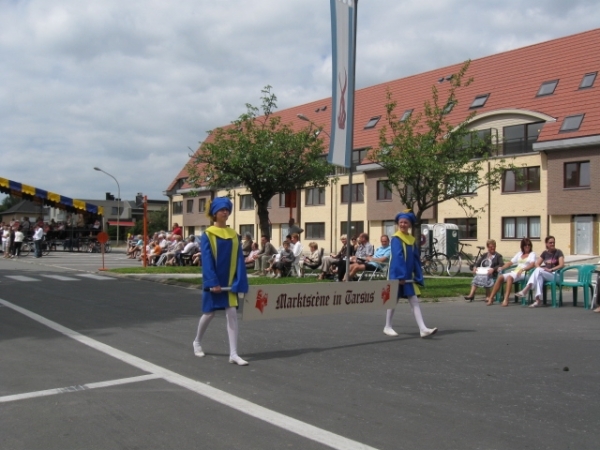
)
(518, 146)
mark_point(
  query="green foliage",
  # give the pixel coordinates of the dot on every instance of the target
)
(262, 154)
(8, 202)
(157, 221)
(429, 160)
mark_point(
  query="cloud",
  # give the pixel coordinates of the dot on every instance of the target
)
(129, 86)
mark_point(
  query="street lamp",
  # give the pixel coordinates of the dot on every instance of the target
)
(118, 200)
(306, 119)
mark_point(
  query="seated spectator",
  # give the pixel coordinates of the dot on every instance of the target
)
(314, 259)
(330, 262)
(485, 269)
(247, 244)
(370, 263)
(264, 255)
(189, 249)
(525, 260)
(175, 247)
(252, 256)
(297, 251)
(364, 249)
(285, 261)
(154, 254)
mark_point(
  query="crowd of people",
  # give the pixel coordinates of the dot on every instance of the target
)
(166, 248)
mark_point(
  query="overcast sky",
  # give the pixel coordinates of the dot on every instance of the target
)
(128, 86)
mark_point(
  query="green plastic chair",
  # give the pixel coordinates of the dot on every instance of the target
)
(584, 280)
(518, 285)
(552, 284)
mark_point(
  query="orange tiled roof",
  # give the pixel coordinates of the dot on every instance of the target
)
(512, 79)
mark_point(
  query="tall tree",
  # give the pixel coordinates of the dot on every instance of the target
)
(8, 202)
(262, 154)
(429, 160)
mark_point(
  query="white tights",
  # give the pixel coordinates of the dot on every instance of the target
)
(232, 328)
(416, 309)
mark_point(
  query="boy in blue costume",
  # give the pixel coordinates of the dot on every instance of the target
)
(222, 266)
(405, 265)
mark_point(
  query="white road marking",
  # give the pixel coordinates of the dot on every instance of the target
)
(244, 406)
(22, 278)
(94, 277)
(77, 388)
(61, 278)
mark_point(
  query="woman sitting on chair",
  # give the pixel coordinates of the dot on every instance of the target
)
(553, 259)
(486, 267)
(285, 261)
(525, 260)
(314, 259)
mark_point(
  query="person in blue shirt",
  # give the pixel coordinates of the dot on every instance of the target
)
(370, 263)
(222, 267)
(405, 266)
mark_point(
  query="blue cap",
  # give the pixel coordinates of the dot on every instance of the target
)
(408, 215)
(220, 203)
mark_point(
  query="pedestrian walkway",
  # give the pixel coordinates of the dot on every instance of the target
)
(29, 278)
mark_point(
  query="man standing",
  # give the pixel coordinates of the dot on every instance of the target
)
(265, 254)
(297, 250)
(293, 228)
(38, 235)
(370, 263)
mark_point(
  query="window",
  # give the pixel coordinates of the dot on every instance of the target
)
(116, 212)
(588, 80)
(482, 140)
(189, 206)
(520, 138)
(383, 193)
(389, 227)
(315, 230)
(479, 101)
(372, 122)
(577, 174)
(462, 184)
(359, 155)
(202, 205)
(190, 231)
(178, 207)
(572, 123)
(355, 228)
(247, 229)
(449, 106)
(467, 228)
(406, 115)
(520, 227)
(547, 88)
(315, 196)
(357, 193)
(526, 179)
(246, 202)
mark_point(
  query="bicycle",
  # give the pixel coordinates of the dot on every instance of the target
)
(28, 246)
(434, 263)
(456, 261)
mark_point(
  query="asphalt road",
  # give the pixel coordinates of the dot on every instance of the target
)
(105, 363)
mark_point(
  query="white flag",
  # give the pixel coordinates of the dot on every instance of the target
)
(343, 33)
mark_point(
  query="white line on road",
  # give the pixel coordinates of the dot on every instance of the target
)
(244, 406)
(60, 277)
(94, 277)
(77, 388)
(22, 278)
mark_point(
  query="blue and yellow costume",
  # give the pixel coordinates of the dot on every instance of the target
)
(405, 264)
(222, 265)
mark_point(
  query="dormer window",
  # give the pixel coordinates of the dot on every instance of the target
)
(372, 122)
(479, 101)
(547, 88)
(448, 107)
(572, 123)
(406, 115)
(588, 80)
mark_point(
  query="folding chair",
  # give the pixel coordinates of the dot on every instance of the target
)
(379, 273)
(584, 280)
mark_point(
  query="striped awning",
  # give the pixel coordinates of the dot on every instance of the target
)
(48, 198)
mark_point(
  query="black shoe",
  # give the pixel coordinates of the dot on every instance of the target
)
(469, 299)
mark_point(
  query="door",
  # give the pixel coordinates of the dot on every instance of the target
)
(584, 226)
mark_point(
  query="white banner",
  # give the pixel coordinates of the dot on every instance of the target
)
(343, 33)
(316, 299)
